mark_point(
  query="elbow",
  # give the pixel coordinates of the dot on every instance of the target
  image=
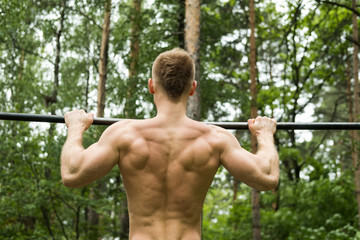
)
(274, 183)
(69, 181)
(271, 179)
(70, 178)
(271, 183)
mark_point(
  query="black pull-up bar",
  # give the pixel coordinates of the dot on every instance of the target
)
(226, 125)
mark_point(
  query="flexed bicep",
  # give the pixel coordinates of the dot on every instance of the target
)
(99, 159)
(245, 166)
(87, 165)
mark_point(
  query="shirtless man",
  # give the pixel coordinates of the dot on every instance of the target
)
(168, 162)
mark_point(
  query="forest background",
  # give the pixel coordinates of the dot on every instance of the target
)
(97, 55)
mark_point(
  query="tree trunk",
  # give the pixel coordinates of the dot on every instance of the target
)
(50, 100)
(124, 220)
(255, 195)
(103, 60)
(87, 71)
(57, 56)
(134, 37)
(49, 103)
(19, 107)
(93, 216)
(346, 165)
(192, 46)
(235, 189)
(130, 106)
(355, 152)
(181, 24)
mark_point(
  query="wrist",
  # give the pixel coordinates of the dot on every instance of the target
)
(76, 128)
(265, 138)
(75, 133)
(265, 134)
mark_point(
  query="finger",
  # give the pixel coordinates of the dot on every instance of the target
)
(251, 123)
(91, 116)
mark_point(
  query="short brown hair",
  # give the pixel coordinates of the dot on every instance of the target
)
(175, 71)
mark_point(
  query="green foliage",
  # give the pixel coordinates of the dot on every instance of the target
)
(320, 209)
(302, 56)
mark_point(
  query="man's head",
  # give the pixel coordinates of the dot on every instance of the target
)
(174, 72)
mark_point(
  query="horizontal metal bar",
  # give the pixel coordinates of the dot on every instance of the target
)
(50, 118)
(226, 125)
(295, 125)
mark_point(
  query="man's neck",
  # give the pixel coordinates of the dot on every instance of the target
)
(170, 110)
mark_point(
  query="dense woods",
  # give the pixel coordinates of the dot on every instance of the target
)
(294, 60)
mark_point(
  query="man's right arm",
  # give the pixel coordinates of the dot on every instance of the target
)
(260, 170)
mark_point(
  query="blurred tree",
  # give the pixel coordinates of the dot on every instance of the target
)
(104, 59)
(192, 45)
(356, 118)
(255, 194)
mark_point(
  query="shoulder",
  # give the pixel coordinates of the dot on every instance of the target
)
(220, 132)
(209, 129)
(119, 126)
(224, 139)
(216, 136)
(121, 132)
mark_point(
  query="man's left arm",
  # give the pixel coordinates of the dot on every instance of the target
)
(79, 166)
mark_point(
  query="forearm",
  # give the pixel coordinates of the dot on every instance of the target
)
(71, 155)
(268, 156)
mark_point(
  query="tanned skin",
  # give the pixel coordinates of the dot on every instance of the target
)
(167, 164)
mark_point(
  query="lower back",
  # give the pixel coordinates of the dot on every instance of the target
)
(164, 230)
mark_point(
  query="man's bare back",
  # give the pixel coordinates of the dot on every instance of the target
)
(167, 170)
(168, 162)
